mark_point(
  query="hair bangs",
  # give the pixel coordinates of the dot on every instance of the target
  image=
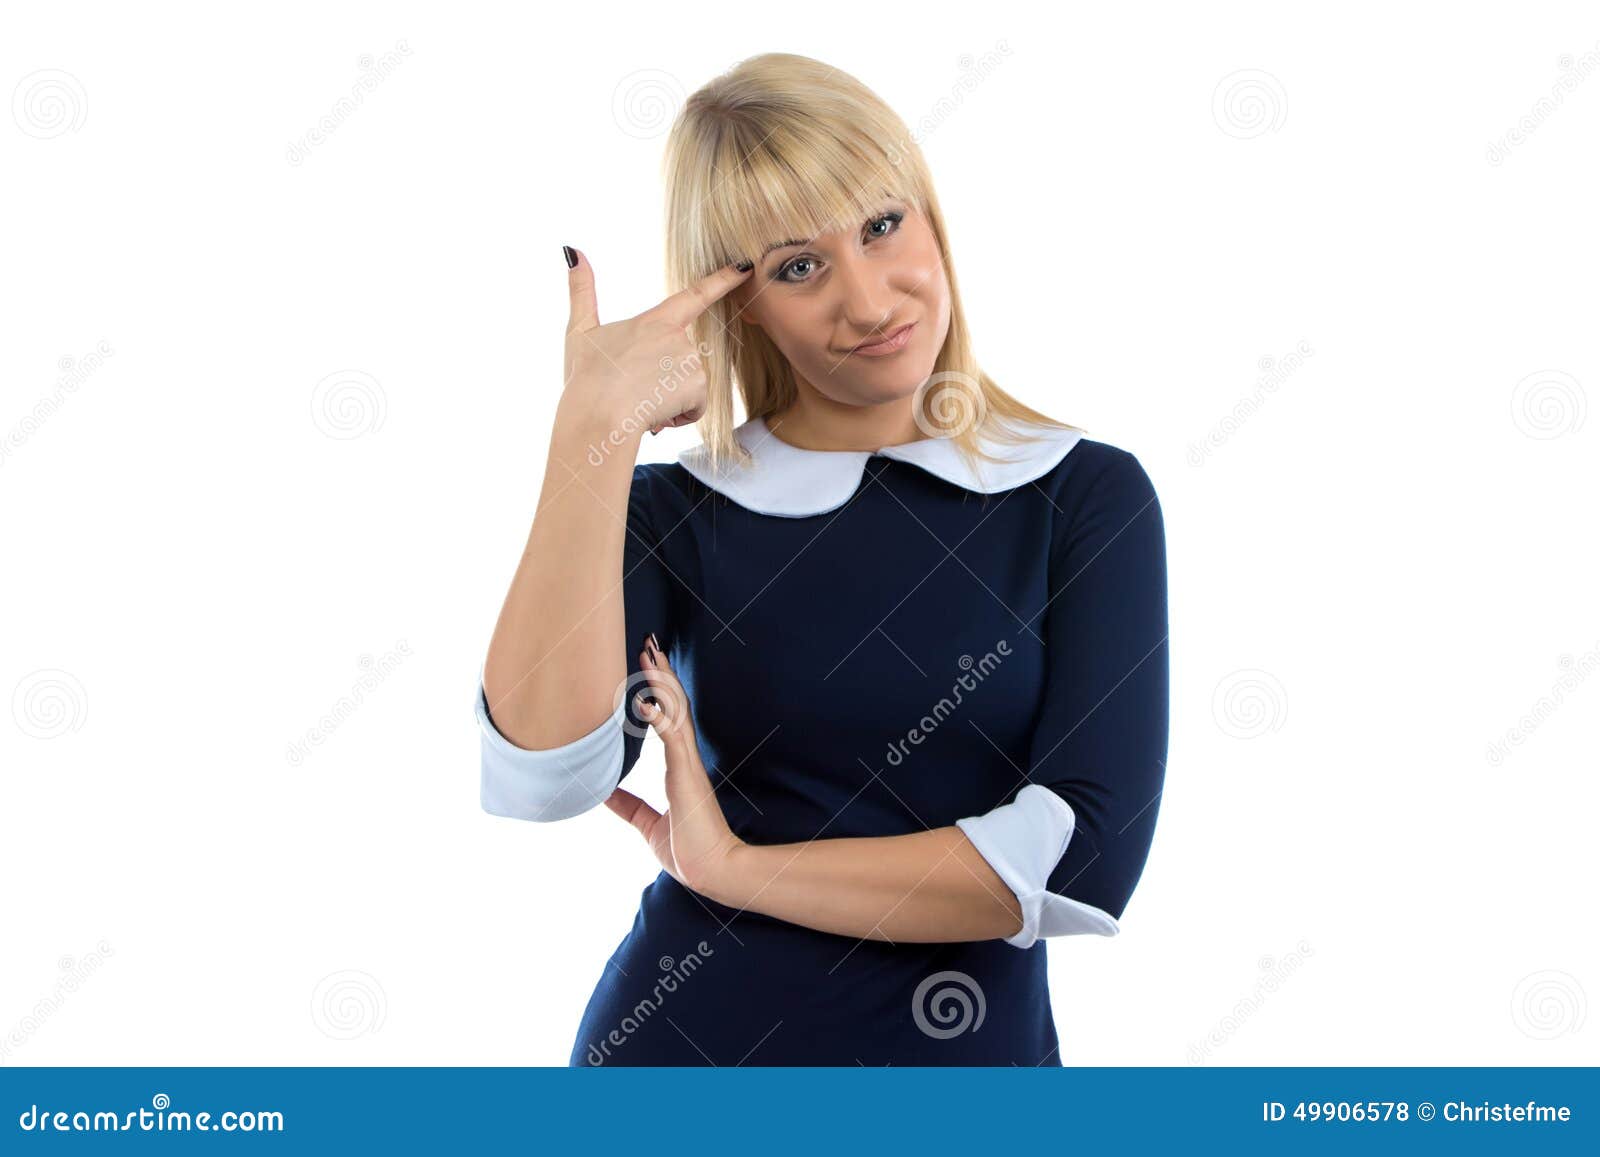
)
(793, 183)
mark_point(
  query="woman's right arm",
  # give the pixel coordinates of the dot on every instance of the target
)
(559, 655)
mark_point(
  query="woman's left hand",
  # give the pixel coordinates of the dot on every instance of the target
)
(691, 839)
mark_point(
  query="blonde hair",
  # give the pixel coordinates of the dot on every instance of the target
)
(784, 146)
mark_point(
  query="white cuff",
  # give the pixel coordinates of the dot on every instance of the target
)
(1023, 841)
(553, 784)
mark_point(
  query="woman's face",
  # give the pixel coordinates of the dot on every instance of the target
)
(820, 300)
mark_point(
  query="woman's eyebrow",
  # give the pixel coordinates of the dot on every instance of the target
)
(786, 244)
(782, 245)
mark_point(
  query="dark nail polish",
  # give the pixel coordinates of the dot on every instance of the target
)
(655, 646)
(744, 266)
(572, 257)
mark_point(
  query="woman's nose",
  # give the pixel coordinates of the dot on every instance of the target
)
(865, 298)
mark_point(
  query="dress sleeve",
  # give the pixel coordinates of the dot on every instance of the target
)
(561, 782)
(1073, 841)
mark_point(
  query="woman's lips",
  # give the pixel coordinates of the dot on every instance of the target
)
(892, 342)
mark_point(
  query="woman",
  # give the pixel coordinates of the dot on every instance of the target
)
(923, 627)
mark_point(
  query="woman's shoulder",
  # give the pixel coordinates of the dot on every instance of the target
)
(1094, 466)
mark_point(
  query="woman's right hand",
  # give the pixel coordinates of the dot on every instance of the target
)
(646, 367)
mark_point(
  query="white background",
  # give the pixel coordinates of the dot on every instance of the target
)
(1380, 569)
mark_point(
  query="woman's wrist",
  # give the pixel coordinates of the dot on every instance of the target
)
(732, 881)
(595, 420)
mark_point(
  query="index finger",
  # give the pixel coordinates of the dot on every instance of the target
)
(689, 303)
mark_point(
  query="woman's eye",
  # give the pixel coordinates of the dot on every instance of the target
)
(893, 219)
(890, 220)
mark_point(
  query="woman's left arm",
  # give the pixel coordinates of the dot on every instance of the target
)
(922, 886)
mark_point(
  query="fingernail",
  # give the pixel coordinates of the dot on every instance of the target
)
(571, 255)
(654, 646)
(744, 266)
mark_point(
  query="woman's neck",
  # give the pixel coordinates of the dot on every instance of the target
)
(822, 424)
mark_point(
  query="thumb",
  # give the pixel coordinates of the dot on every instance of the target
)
(585, 314)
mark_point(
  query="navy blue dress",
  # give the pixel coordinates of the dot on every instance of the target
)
(809, 647)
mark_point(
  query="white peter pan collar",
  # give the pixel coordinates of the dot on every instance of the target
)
(791, 482)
